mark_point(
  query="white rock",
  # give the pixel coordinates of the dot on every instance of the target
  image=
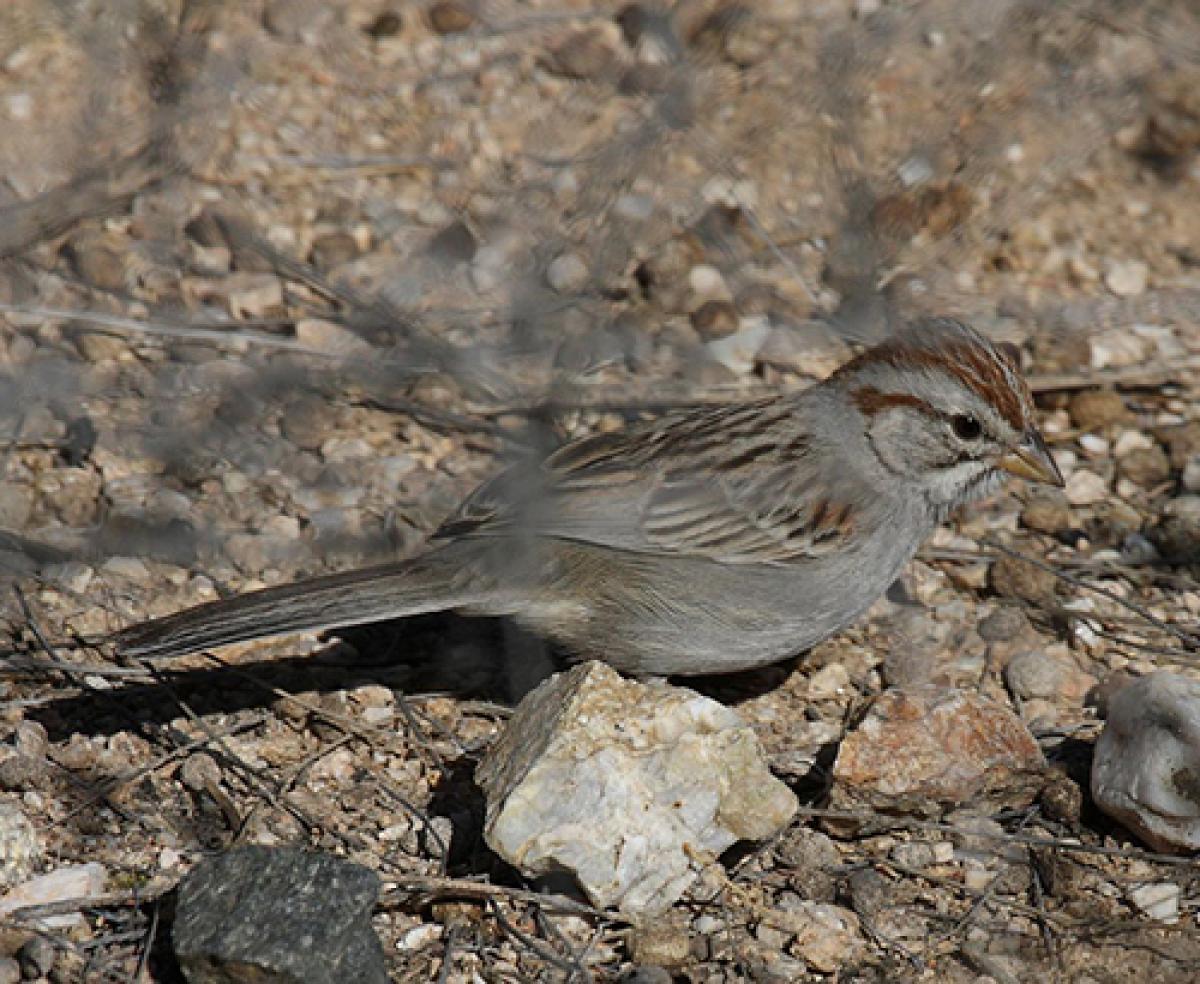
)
(567, 273)
(19, 845)
(707, 282)
(737, 352)
(1158, 900)
(915, 171)
(629, 787)
(1146, 767)
(1131, 440)
(1116, 347)
(1126, 278)
(79, 881)
(419, 937)
(1129, 490)
(1085, 488)
(1094, 446)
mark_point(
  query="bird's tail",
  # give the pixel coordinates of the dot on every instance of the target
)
(437, 581)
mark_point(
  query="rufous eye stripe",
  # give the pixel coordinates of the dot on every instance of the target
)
(870, 401)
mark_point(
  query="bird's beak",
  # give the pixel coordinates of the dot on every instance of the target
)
(1031, 459)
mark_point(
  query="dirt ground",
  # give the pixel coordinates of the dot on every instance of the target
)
(281, 281)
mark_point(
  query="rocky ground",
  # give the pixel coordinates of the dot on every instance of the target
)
(281, 281)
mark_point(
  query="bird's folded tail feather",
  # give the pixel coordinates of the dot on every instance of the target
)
(430, 583)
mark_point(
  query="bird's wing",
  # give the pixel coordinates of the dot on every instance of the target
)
(732, 484)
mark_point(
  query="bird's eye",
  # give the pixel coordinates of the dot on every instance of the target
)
(966, 427)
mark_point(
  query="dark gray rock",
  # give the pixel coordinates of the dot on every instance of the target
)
(278, 915)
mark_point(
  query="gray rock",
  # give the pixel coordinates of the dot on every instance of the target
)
(16, 505)
(1004, 623)
(812, 861)
(100, 259)
(1032, 674)
(1146, 768)
(278, 914)
(629, 787)
(586, 54)
(1176, 534)
(36, 958)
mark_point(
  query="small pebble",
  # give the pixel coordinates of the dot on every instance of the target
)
(419, 937)
(1130, 440)
(1116, 347)
(1093, 409)
(1035, 674)
(16, 505)
(1158, 900)
(1145, 466)
(828, 682)
(387, 25)
(130, 568)
(1085, 488)
(1094, 446)
(737, 352)
(1006, 622)
(1014, 577)
(714, 319)
(586, 54)
(661, 943)
(1190, 477)
(913, 854)
(707, 281)
(567, 273)
(1047, 513)
(450, 17)
(1126, 278)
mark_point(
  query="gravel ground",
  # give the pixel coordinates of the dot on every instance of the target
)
(281, 281)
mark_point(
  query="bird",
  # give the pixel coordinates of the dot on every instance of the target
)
(703, 541)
